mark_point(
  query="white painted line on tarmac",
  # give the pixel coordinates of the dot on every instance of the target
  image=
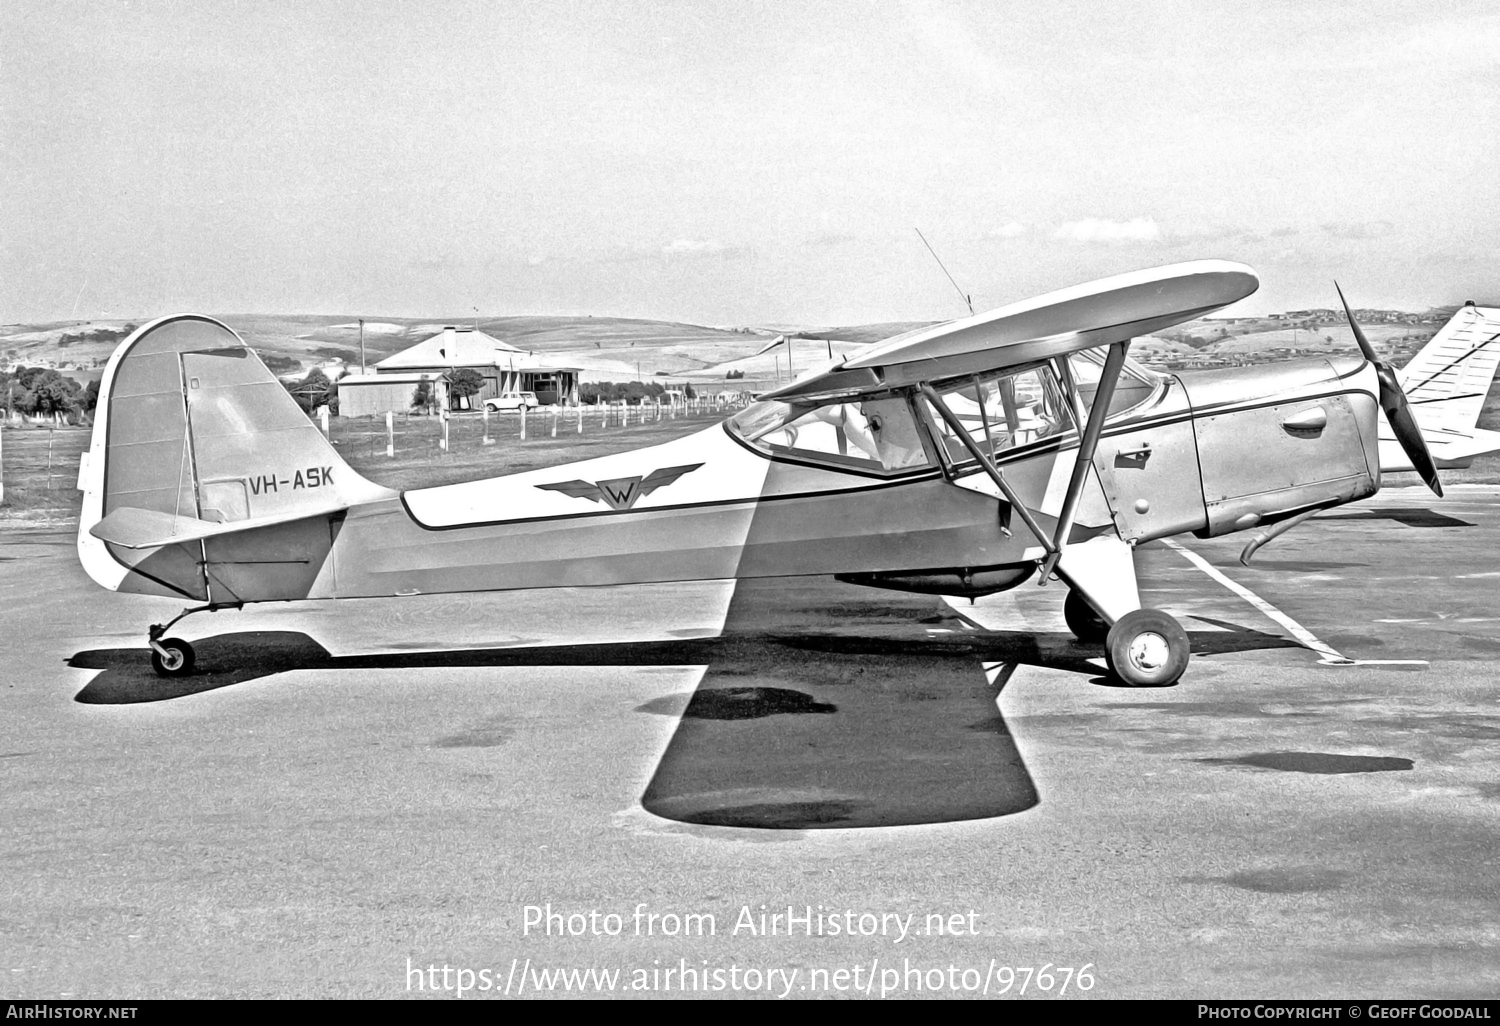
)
(1328, 655)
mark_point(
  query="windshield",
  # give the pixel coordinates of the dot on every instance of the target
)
(1136, 384)
(1003, 410)
(872, 434)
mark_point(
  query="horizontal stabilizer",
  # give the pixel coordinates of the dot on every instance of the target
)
(133, 528)
(1478, 442)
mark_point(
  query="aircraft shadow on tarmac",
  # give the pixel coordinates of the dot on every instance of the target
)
(1411, 516)
(878, 722)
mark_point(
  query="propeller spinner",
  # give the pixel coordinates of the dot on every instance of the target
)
(1397, 409)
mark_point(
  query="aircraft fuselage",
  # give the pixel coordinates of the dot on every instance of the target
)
(1210, 453)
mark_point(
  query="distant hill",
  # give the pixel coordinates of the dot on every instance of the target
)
(627, 349)
(606, 348)
(1325, 338)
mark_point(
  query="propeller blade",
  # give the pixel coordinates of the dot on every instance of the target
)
(1397, 409)
(1359, 335)
(1409, 434)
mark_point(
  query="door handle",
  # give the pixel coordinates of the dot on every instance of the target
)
(1134, 457)
(1313, 420)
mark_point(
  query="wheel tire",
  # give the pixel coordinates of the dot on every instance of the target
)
(1086, 624)
(179, 660)
(1147, 648)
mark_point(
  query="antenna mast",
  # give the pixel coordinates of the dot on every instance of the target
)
(962, 295)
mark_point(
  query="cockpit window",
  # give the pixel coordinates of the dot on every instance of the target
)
(1136, 384)
(877, 435)
(1001, 411)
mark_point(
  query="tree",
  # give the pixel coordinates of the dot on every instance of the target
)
(421, 399)
(48, 392)
(91, 396)
(464, 382)
(280, 364)
(312, 391)
(26, 375)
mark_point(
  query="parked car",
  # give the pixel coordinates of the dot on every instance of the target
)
(512, 401)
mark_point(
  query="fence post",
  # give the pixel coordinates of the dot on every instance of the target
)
(390, 434)
(580, 418)
(3, 425)
(443, 442)
(554, 420)
(523, 421)
(323, 419)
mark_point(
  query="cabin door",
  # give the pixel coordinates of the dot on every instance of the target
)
(1151, 481)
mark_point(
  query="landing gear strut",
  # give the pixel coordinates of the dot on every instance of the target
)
(1147, 648)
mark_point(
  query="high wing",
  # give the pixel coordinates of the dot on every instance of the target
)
(1447, 384)
(1098, 313)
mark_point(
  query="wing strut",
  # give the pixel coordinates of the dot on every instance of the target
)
(988, 464)
(1103, 396)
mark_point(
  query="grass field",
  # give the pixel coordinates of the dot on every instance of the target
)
(40, 472)
(420, 461)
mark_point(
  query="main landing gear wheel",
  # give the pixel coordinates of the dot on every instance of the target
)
(1147, 648)
(1083, 621)
(177, 660)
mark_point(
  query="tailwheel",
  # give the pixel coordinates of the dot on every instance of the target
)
(172, 657)
(1147, 648)
(1085, 623)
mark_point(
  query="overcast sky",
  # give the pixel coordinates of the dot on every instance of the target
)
(737, 162)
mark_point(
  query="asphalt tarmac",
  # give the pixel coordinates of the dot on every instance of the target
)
(349, 797)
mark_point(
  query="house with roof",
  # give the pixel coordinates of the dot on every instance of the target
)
(502, 367)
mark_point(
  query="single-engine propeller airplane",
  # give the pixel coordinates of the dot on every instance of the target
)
(962, 458)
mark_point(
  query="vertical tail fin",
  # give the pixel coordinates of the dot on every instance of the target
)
(193, 430)
(1446, 383)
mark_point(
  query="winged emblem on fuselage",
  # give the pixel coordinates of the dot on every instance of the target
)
(621, 492)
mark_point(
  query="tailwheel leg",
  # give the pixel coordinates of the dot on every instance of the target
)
(1147, 648)
(172, 657)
